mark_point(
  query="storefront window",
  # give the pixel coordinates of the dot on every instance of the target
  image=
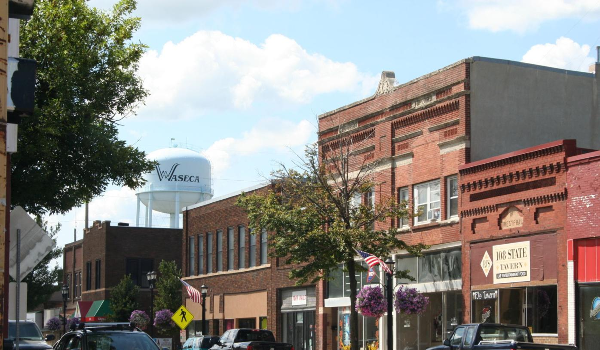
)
(541, 309)
(432, 267)
(368, 331)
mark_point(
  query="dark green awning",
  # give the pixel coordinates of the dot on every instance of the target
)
(98, 311)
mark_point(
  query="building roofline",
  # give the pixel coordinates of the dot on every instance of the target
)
(469, 60)
(227, 196)
(584, 158)
(566, 143)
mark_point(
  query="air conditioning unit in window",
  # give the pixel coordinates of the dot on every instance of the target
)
(434, 214)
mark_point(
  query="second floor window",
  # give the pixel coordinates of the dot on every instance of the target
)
(252, 248)
(219, 251)
(263, 247)
(88, 275)
(192, 257)
(209, 253)
(200, 254)
(427, 202)
(241, 247)
(230, 248)
(138, 269)
(98, 271)
(452, 190)
(403, 198)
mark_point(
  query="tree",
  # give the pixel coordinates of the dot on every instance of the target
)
(123, 299)
(42, 281)
(318, 213)
(86, 82)
(168, 287)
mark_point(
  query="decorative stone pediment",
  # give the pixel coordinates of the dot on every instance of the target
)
(386, 83)
(511, 218)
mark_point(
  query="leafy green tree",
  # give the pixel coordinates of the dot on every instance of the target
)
(319, 212)
(124, 299)
(168, 287)
(86, 81)
(42, 281)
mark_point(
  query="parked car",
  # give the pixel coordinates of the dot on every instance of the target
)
(493, 336)
(30, 336)
(249, 339)
(204, 342)
(106, 336)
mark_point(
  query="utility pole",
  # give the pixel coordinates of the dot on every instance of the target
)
(4, 217)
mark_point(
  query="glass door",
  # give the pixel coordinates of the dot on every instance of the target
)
(589, 316)
(299, 329)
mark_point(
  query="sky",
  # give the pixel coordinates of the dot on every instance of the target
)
(243, 81)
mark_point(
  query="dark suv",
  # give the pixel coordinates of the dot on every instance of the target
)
(30, 337)
(106, 336)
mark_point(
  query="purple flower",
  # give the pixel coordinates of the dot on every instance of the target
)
(140, 319)
(53, 324)
(410, 301)
(371, 302)
(72, 322)
(163, 321)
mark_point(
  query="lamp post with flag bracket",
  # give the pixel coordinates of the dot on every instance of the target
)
(151, 280)
(203, 291)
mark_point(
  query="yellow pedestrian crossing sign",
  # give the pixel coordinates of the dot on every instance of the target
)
(182, 317)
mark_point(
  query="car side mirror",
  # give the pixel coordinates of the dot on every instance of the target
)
(447, 342)
(50, 337)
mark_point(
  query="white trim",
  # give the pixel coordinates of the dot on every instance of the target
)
(427, 187)
(432, 287)
(448, 196)
(571, 321)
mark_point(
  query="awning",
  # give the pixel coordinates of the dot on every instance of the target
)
(82, 308)
(98, 311)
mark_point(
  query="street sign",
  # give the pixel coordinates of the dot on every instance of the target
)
(182, 317)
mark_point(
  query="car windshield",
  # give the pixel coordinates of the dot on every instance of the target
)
(207, 342)
(254, 335)
(27, 331)
(120, 341)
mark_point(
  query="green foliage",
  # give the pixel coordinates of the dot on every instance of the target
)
(69, 149)
(315, 220)
(168, 287)
(123, 300)
(43, 279)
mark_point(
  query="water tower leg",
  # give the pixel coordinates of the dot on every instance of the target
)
(177, 210)
(137, 212)
(146, 217)
(150, 211)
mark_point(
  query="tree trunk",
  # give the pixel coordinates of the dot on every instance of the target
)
(353, 314)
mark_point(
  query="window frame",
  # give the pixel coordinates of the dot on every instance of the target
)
(264, 247)
(98, 268)
(449, 196)
(191, 256)
(404, 222)
(88, 275)
(141, 277)
(230, 248)
(200, 254)
(241, 247)
(416, 189)
(209, 252)
(252, 249)
(219, 250)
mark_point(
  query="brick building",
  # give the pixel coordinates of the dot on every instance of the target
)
(513, 211)
(98, 262)
(583, 266)
(420, 133)
(247, 288)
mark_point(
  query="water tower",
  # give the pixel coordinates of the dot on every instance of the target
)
(180, 178)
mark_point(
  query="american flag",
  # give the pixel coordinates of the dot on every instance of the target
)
(193, 293)
(371, 275)
(373, 261)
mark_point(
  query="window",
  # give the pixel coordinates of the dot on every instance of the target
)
(431, 267)
(209, 253)
(427, 202)
(200, 254)
(230, 251)
(138, 268)
(252, 248)
(403, 200)
(98, 270)
(219, 250)
(339, 282)
(191, 257)
(70, 284)
(457, 336)
(452, 195)
(77, 286)
(241, 247)
(88, 275)
(263, 247)
(370, 198)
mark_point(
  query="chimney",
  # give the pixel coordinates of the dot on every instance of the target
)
(595, 67)
(386, 83)
(123, 224)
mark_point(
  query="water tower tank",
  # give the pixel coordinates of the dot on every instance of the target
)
(180, 178)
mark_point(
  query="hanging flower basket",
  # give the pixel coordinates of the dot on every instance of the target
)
(53, 324)
(370, 302)
(410, 301)
(140, 319)
(163, 321)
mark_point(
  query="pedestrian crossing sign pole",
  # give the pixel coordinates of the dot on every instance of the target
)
(182, 317)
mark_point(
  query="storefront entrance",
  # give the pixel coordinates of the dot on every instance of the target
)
(589, 316)
(299, 329)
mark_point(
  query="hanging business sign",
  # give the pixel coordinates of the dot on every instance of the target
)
(512, 262)
(491, 294)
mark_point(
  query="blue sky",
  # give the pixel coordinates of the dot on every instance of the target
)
(244, 81)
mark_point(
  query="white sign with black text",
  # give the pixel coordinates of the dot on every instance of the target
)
(512, 262)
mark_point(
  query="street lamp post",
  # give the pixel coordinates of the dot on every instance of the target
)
(389, 289)
(65, 295)
(151, 280)
(203, 292)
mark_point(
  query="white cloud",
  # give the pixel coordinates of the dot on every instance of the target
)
(267, 135)
(525, 15)
(565, 53)
(213, 71)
